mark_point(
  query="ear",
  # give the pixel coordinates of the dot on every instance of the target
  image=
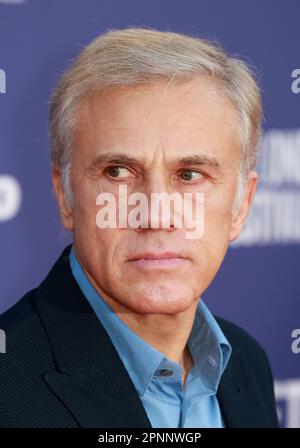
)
(64, 209)
(239, 215)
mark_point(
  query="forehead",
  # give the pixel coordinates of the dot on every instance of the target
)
(173, 117)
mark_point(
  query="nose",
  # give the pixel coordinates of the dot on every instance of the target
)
(161, 204)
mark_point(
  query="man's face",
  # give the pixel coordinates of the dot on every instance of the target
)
(153, 139)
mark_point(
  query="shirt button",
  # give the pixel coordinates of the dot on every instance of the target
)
(164, 372)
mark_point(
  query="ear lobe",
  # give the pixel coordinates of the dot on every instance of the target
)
(64, 209)
(239, 216)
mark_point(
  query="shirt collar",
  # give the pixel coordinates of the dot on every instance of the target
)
(208, 346)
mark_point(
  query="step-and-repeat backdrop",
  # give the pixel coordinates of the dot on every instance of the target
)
(258, 286)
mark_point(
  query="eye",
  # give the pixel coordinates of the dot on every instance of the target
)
(118, 171)
(189, 175)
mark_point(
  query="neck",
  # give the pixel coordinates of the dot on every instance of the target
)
(161, 331)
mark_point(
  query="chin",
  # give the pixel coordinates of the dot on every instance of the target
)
(160, 299)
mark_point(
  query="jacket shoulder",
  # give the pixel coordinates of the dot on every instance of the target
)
(20, 313)
(25, 338)
(25, 398)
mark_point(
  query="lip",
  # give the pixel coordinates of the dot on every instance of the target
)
(158, 259)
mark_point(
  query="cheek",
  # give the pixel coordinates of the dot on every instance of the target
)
(110, 248)
(218, 209)
(217, 224)
(102, 252)
(85, 208)
(216, 229)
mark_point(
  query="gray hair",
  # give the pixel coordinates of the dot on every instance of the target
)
(137, 56)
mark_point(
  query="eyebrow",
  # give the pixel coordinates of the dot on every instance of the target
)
(121, 158)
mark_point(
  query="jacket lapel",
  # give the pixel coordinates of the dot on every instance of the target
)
(238, 397)
(90, 378)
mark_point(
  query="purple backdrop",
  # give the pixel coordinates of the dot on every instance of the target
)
(257, 286)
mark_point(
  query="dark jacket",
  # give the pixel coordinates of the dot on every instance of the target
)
(61, 369)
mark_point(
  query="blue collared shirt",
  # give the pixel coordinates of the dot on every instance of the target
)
(157, 379)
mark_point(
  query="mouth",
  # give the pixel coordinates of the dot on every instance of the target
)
(163, 259)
